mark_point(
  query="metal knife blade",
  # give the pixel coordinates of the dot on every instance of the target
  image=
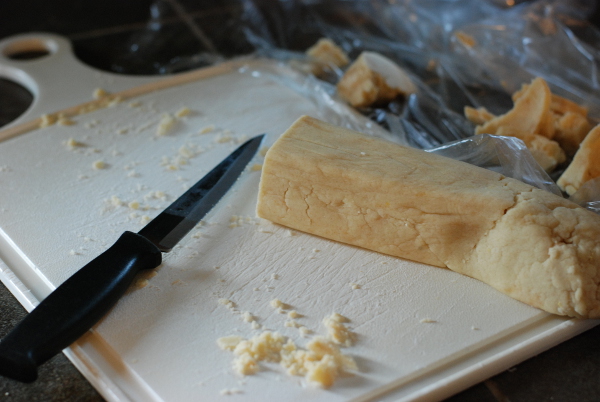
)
(78, 303)
(181, 216)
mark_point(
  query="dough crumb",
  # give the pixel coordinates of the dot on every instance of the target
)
(72, 143)
(46, 120)
(229, 342)
(304, 332)
(207, 129)
(336, 330)
(227, 303)
(99, 93)
(65, 121)
(278, 304)
(99, 164)
(232, 391)
(247, 317)
(222, 138)
(116, 201)
(184, 111)
(166, 124)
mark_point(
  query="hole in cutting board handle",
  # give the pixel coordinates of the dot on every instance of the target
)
(29, 49)
(14, 101)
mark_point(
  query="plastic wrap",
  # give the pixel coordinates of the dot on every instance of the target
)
(588, 195)
(506, 155)
(458, 52)
(321, 94)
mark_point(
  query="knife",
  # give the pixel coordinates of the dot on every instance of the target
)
(77, 304)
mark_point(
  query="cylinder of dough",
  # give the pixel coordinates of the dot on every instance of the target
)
(342, 185)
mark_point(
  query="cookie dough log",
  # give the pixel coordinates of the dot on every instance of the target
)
(339, 184)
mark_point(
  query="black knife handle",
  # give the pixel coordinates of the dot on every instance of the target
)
(75, 306)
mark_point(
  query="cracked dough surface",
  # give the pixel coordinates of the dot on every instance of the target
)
(531, 245)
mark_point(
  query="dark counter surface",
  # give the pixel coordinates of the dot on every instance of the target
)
(143, 37)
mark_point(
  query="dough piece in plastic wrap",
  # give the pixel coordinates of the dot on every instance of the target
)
(326, 51)
(339, 184)
(374, 79)
(585, 165)
(531, 113)
(570, 130)
(478, 116)
(546, 152)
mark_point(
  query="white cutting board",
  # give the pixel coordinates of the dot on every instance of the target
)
(423, 333)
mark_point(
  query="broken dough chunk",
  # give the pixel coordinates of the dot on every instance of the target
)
(339, 184)
(570, 129)
(530, 113)
(570, 120)
(478, 116)
(558, 104)
(585, 165)
(327, 52)
(548, 153)
(374, 79)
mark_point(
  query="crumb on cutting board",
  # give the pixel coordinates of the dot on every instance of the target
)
(427, 321)
(278, 304)
(46, 120)
(230, 391)
(99, 93)
(99, 164)
(321, 362)
(207, 129)
(166, 124)
(247, 316)
(72, 144)
(337, 332)
(184, 111)
(64, 120)
(263, 150)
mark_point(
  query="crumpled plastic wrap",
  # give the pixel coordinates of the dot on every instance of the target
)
(458, 53)
(588, 195)
(505, 155)
(322, 95)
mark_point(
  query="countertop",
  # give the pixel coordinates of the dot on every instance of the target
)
(153, 37)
